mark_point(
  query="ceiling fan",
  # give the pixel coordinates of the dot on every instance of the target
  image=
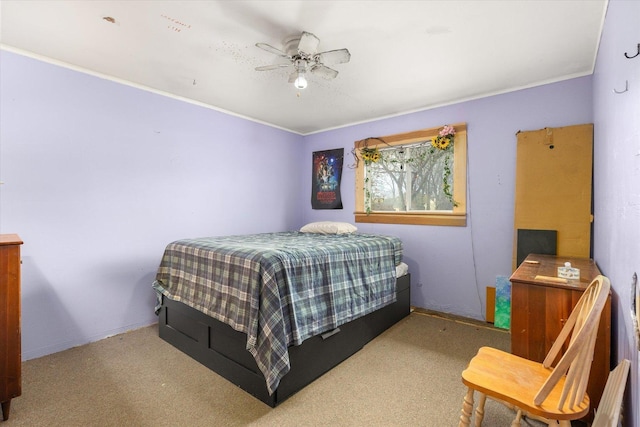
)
(301, 53)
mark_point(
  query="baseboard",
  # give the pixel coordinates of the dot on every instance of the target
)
(456, 318)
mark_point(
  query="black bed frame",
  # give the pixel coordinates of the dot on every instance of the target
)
(222, 349)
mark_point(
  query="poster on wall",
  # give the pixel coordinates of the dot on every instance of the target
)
(327, 172)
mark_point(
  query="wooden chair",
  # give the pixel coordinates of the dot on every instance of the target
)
(609, 409)
(553, 395)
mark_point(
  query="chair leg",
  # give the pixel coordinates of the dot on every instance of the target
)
(525, 414)
(480, 410)
(467, 408)
(516, 421)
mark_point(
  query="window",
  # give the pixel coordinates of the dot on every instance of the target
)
(412, 178)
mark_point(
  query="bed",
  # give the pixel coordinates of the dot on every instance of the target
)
(271, 312)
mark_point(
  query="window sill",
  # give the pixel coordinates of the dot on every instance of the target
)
(439, 218)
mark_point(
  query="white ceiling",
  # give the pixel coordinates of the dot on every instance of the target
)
(405, 55)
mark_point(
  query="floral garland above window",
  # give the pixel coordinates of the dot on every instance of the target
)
(370, 155)
(445, 138)
(443, 142)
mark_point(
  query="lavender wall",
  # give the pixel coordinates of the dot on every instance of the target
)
(617, 179)
(99, 177)
(451, 266)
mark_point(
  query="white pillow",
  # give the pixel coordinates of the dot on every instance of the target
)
(329, 227)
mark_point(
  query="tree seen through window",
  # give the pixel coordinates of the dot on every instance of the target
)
(410, 178)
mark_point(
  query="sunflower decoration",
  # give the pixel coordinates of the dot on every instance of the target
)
(370, 155)
(445, 138)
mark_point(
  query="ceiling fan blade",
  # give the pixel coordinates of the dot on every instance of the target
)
(326, 72)
(272, 67)
(272, 49)
(293, 76)
(332, 57)
(308, 43)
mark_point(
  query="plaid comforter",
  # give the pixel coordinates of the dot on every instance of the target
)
(281, 288)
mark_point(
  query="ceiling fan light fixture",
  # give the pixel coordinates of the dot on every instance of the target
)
(302, 53)
(301, 81)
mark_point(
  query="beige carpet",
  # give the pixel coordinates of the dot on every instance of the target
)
(409, 376)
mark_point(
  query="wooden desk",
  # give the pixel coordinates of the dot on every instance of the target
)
(540, 307)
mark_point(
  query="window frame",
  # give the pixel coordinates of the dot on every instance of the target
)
(456, 217)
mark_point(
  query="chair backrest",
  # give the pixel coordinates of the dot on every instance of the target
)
(575, 363)
(609, 409)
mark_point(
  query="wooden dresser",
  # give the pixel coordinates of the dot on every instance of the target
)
(10, 353)
(540, 307)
